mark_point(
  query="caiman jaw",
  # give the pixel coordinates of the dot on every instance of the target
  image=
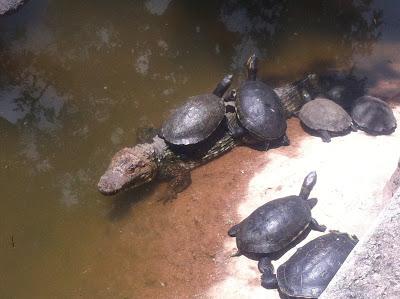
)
(111, 182)
(130, 167)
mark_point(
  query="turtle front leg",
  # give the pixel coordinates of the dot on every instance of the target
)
(325, 136)
(354, 127)
(180, 180)
(285, 140)
(268, 278)
(314, 225)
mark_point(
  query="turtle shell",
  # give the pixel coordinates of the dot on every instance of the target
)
(373, 115)
(324, 114)
(260, 110)
(194, 121)
(273, 226)
(308, 272)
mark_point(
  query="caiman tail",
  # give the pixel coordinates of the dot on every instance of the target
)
(294, 95)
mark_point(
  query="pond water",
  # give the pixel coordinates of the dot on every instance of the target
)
(77, 78)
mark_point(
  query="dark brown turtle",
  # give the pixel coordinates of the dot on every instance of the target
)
(259, 110)
(308, 272)
(325, 118)
(373, 116)
(274, 225)
(197, 118)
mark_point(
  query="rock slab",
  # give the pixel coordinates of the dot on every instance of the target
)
(372, 270)
(8, 6)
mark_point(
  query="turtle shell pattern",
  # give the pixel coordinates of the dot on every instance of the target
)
(373, 115)
(324, 114)
(194, 121)
(308, 272)
(273, 226)
(260, 110)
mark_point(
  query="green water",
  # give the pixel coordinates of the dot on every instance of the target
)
(77, 78)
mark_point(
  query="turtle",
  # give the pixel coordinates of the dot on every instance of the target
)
(260, 113)
(274, 225)
(325, 118)
(197, 118)
(309, 270)
(373, 116)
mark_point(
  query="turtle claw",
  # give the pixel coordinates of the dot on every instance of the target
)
(285, 141)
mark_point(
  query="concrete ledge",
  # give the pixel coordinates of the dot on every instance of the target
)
(372, 270)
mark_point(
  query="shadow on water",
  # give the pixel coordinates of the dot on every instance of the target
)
(122, 203)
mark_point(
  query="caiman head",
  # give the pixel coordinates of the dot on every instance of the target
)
(129, 168)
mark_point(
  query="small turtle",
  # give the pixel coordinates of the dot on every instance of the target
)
(197, 118)
(259, 110)
(308, 272)
(373, 116)
(325, 118)
(274, 225)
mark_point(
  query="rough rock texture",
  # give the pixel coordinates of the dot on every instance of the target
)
(372, 270)
(7, 6)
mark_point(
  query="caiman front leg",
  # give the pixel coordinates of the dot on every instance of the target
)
(179, 179)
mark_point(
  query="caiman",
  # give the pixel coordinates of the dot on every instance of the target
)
(134, 166)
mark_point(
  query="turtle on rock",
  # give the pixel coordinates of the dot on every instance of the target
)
(309, 270)
(373, 116)
(325, 118)
(274, 225)
(260, 118)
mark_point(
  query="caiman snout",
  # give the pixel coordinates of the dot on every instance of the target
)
(110, 183)
(130, 167)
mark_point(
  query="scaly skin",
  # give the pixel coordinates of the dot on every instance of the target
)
(135, 166)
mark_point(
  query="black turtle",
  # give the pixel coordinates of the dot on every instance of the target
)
(197, 118)
(373, 116)
(274, 225)
(308, 272)
(259, 110)
(325, 118)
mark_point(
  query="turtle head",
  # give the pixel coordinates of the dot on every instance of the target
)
(252, 67)
(232, 97)
(129, 168)
(306, 95)
(308, 185)
(223, 85)
(312, 86)
(313, 79)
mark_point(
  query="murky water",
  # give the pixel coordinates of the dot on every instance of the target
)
(77, 78)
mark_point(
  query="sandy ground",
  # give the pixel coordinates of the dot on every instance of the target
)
(352, 173)
(184, 247)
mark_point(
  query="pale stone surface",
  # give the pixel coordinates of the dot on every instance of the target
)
(9, 5)
(352, 173)
(372, 270)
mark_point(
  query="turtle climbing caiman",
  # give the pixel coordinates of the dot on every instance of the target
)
(134, 166)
